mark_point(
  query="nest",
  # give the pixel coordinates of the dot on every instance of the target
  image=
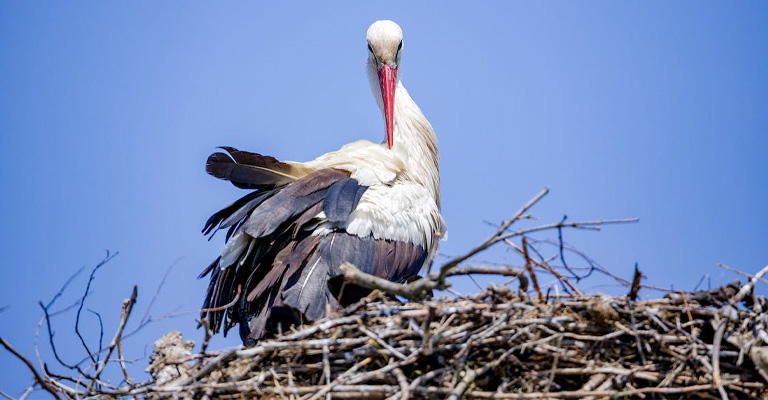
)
(499, 343)
(496, 344)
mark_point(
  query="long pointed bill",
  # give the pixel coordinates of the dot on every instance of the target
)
(387, 78)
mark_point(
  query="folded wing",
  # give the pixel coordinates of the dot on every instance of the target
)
(278, 268)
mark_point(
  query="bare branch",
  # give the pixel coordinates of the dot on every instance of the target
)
(101, 330)
(127, 308)
(547, 268)
(530, 270)
(39, 379)
(64, 287)
(748, 287)
(145, 318)
(497, 236)
(82, 301)
(725, 267)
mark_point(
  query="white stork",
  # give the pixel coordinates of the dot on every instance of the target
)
(375, 205)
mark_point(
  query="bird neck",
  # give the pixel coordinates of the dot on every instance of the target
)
(416, 143)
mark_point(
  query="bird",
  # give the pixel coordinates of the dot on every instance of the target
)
(375, 205)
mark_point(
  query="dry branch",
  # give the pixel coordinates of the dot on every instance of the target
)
(44, 382)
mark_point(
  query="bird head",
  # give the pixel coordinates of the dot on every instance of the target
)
(385, 47)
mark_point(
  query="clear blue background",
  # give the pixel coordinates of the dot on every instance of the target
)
(108, 111)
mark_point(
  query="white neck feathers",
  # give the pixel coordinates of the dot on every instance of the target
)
(414, 139)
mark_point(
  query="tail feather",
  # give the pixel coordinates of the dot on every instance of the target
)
(258, 160)
(253, 171)
(215, 221)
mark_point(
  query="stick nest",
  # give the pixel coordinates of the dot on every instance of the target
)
(496, 344)
(499, 343)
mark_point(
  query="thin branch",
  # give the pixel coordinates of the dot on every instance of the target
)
(529, 268)
(417, 289)
(82, 302)
(748, 287)
(560, 247)
(742, 273)
(126, 312)
(145, 317)
(121, 359)
(496, 237)
(206, 339)
(717, 341)
(547, 268)
(39, 379)
(47, 317)
(223, 307)
(64, 287)
(101, 330)
(590, 225)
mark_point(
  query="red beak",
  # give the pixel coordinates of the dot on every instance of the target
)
(387, 78)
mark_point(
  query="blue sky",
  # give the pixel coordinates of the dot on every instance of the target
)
(108, 111)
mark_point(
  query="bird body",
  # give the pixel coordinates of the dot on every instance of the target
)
(375, 205)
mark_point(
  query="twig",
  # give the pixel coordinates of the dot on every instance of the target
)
(101, 330)
(39, 379)
(145, 317)
(47, 319)
(417, 289)
(530, 270)
(591, 225)
(548, 269)
(748, 287)
(122, 360)
(126, 312)
(497, 236)
(206, 339)
(560, 247)
(470, 375)
(687, 309)
(742, 273)
(403, 382)
(716, 342)
(64, 287)
(82, 301)
(414, 291)
(53, 345)
(633, 325)
(225, 306)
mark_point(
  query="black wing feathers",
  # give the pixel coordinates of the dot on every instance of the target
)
(291, 201)
(250, 170)
(229, 211)
(342, 198)
(388, 259)
(285, 275)
(273, 219)
(246, 157)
